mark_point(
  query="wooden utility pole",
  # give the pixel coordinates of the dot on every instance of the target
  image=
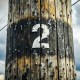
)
(39, 40)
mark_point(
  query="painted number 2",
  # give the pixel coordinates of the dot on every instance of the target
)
(45, 34)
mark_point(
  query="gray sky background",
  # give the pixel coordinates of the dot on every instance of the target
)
(76, 34)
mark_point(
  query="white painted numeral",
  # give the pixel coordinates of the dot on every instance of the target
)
(45, 34)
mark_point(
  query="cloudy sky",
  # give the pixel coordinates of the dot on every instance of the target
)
(76, 34)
